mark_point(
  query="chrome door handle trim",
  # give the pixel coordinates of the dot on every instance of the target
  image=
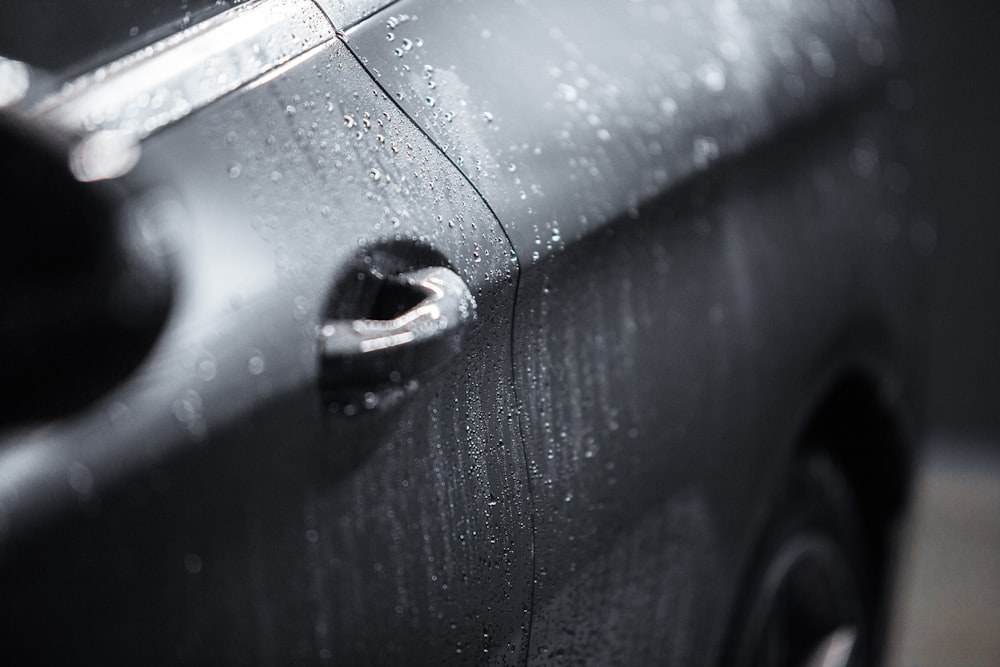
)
(368, 353)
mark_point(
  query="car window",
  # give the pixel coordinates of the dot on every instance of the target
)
(59, 35)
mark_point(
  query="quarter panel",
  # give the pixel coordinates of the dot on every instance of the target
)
(668, 364)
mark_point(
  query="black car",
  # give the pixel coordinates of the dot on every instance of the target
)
(443, 331)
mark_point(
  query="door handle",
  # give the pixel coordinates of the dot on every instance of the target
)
(371, 353)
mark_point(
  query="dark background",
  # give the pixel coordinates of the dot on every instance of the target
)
(948, 584)
(954, 65)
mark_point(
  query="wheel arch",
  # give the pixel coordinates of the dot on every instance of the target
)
(860, 425)
(864, 426)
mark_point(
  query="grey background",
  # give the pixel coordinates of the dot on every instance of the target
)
(948, 592)
(953, 61)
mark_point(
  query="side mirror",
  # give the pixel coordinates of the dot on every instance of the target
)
(84, 288)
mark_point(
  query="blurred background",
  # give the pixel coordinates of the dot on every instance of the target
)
(948, 592)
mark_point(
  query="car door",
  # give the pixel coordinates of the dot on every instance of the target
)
(669, 241)
(254, 489)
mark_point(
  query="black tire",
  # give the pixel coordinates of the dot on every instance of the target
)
(806, 599)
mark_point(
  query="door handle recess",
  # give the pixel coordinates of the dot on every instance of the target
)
(366, 354)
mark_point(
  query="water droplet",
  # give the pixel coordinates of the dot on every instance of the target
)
(192, 563)
(206, 369)
(256, 363)
(713, 75)
(349, 121)
(407, 44)
(668, 106)
(235, 169)
(864, 158)
(706, 149)
(730, 50)
(567, 92)
(390, 36)
(300, 311)
(119, 414)
(429, 101)
(80, 478)
(820, 57)
(374, 174)
(487, 116)
(187, 408)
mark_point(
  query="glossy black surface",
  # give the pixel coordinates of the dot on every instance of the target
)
(310, 531)
(566, 115)
(698, 196)
(686, 233)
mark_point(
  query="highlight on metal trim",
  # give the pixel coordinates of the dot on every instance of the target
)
(119, 104)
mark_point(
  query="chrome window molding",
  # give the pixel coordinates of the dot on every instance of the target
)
(111, 109)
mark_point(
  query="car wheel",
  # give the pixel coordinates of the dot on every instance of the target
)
(805, 600)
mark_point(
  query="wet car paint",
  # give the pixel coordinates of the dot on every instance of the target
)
(672, 177)
(576, 486)
(251, 496)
